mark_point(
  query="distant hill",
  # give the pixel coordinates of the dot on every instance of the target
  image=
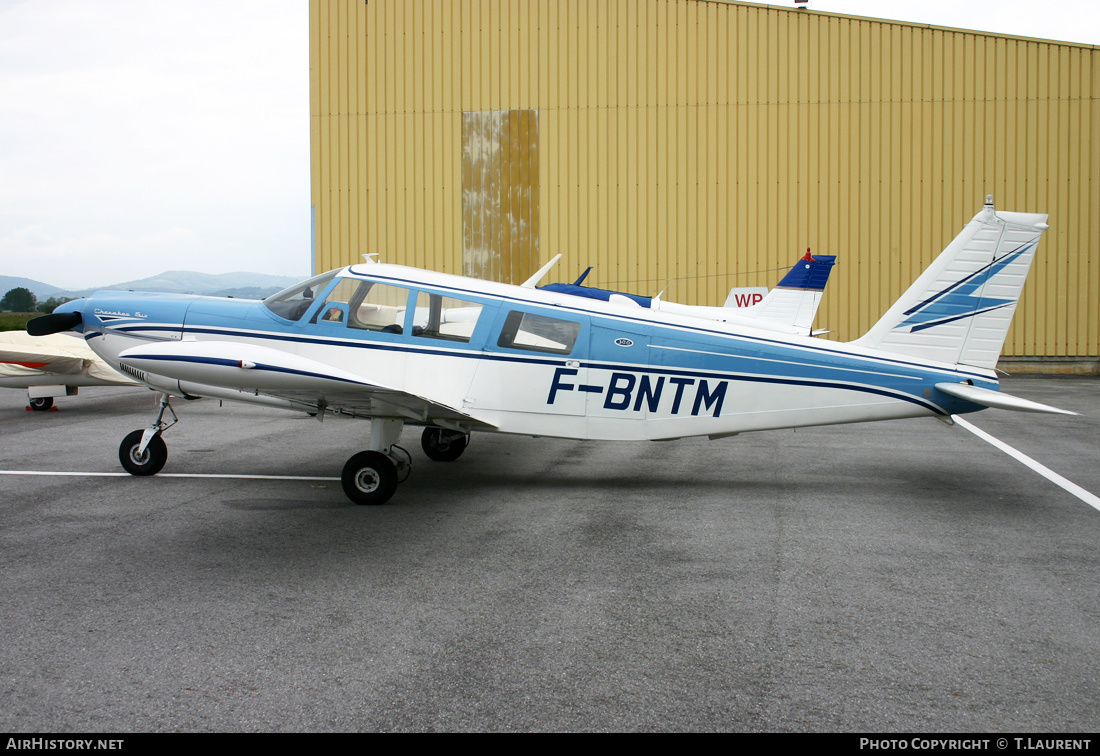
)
(240, 285)
(41, 290)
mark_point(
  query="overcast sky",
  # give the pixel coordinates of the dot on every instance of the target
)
(138, 136)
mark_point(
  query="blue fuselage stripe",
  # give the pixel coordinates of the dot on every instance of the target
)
(672, 371)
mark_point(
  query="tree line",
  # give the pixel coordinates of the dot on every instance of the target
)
(21, 299)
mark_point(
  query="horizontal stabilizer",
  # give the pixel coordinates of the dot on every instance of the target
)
(997, 399)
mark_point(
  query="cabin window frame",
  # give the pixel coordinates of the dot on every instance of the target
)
(513, 326)
(435, 307)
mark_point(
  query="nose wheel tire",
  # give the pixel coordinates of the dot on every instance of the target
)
(369, 477)
(42, 403)
(148, 462)
(442, 445)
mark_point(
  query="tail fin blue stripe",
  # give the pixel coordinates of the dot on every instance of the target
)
(975, 279)
(958, 301)
(809, 274)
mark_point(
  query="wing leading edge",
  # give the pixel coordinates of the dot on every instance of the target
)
(213, 368)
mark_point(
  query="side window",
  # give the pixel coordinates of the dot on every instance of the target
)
(378, 307)
(440, 317)
(364, 305)
(538, 333)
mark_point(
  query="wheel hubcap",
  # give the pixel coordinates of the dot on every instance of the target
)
(138, 459)
(367, 480)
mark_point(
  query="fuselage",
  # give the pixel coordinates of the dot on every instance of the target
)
(521, 360)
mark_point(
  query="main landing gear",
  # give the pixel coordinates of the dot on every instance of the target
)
(442, 445)
(371, 477)
(41, 404)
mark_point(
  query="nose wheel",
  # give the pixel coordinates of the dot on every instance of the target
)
(138, 461)
(143, 452)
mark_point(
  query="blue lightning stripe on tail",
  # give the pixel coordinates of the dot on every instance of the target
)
(958, 300)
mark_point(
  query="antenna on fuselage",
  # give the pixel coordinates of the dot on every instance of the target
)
(531, 282)
(672, 284)
(369, 258)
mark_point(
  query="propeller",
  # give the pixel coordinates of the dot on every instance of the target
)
(47, 324)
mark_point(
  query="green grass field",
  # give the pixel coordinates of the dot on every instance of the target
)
(16, 321)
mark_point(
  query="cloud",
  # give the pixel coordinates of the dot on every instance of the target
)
(126, 127)
(50, 258)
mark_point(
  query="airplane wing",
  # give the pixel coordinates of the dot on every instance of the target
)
(16, 361)
(226, 369)
(26, 356)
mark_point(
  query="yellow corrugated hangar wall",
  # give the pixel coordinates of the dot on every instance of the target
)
(696, 145)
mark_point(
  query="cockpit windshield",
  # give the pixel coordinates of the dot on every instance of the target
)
(293, 303)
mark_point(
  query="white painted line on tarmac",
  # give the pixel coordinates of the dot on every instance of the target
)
(160, 475)
(1089, 498)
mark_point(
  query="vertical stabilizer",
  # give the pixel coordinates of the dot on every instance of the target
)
(960, 308)
(795, 300)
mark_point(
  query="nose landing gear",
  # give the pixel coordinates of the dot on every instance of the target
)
(143, 452)
(138, 461)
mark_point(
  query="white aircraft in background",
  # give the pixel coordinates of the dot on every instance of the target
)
(457, 355)
(51, 366)
(789, 308)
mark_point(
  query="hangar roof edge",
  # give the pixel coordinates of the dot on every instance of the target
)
(895, 22)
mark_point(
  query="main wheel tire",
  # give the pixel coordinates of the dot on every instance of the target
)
(148, 463)
(42, 403)
(369, 477)
(442, 445)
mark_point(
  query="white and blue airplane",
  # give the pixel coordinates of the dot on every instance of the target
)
(457, 355)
